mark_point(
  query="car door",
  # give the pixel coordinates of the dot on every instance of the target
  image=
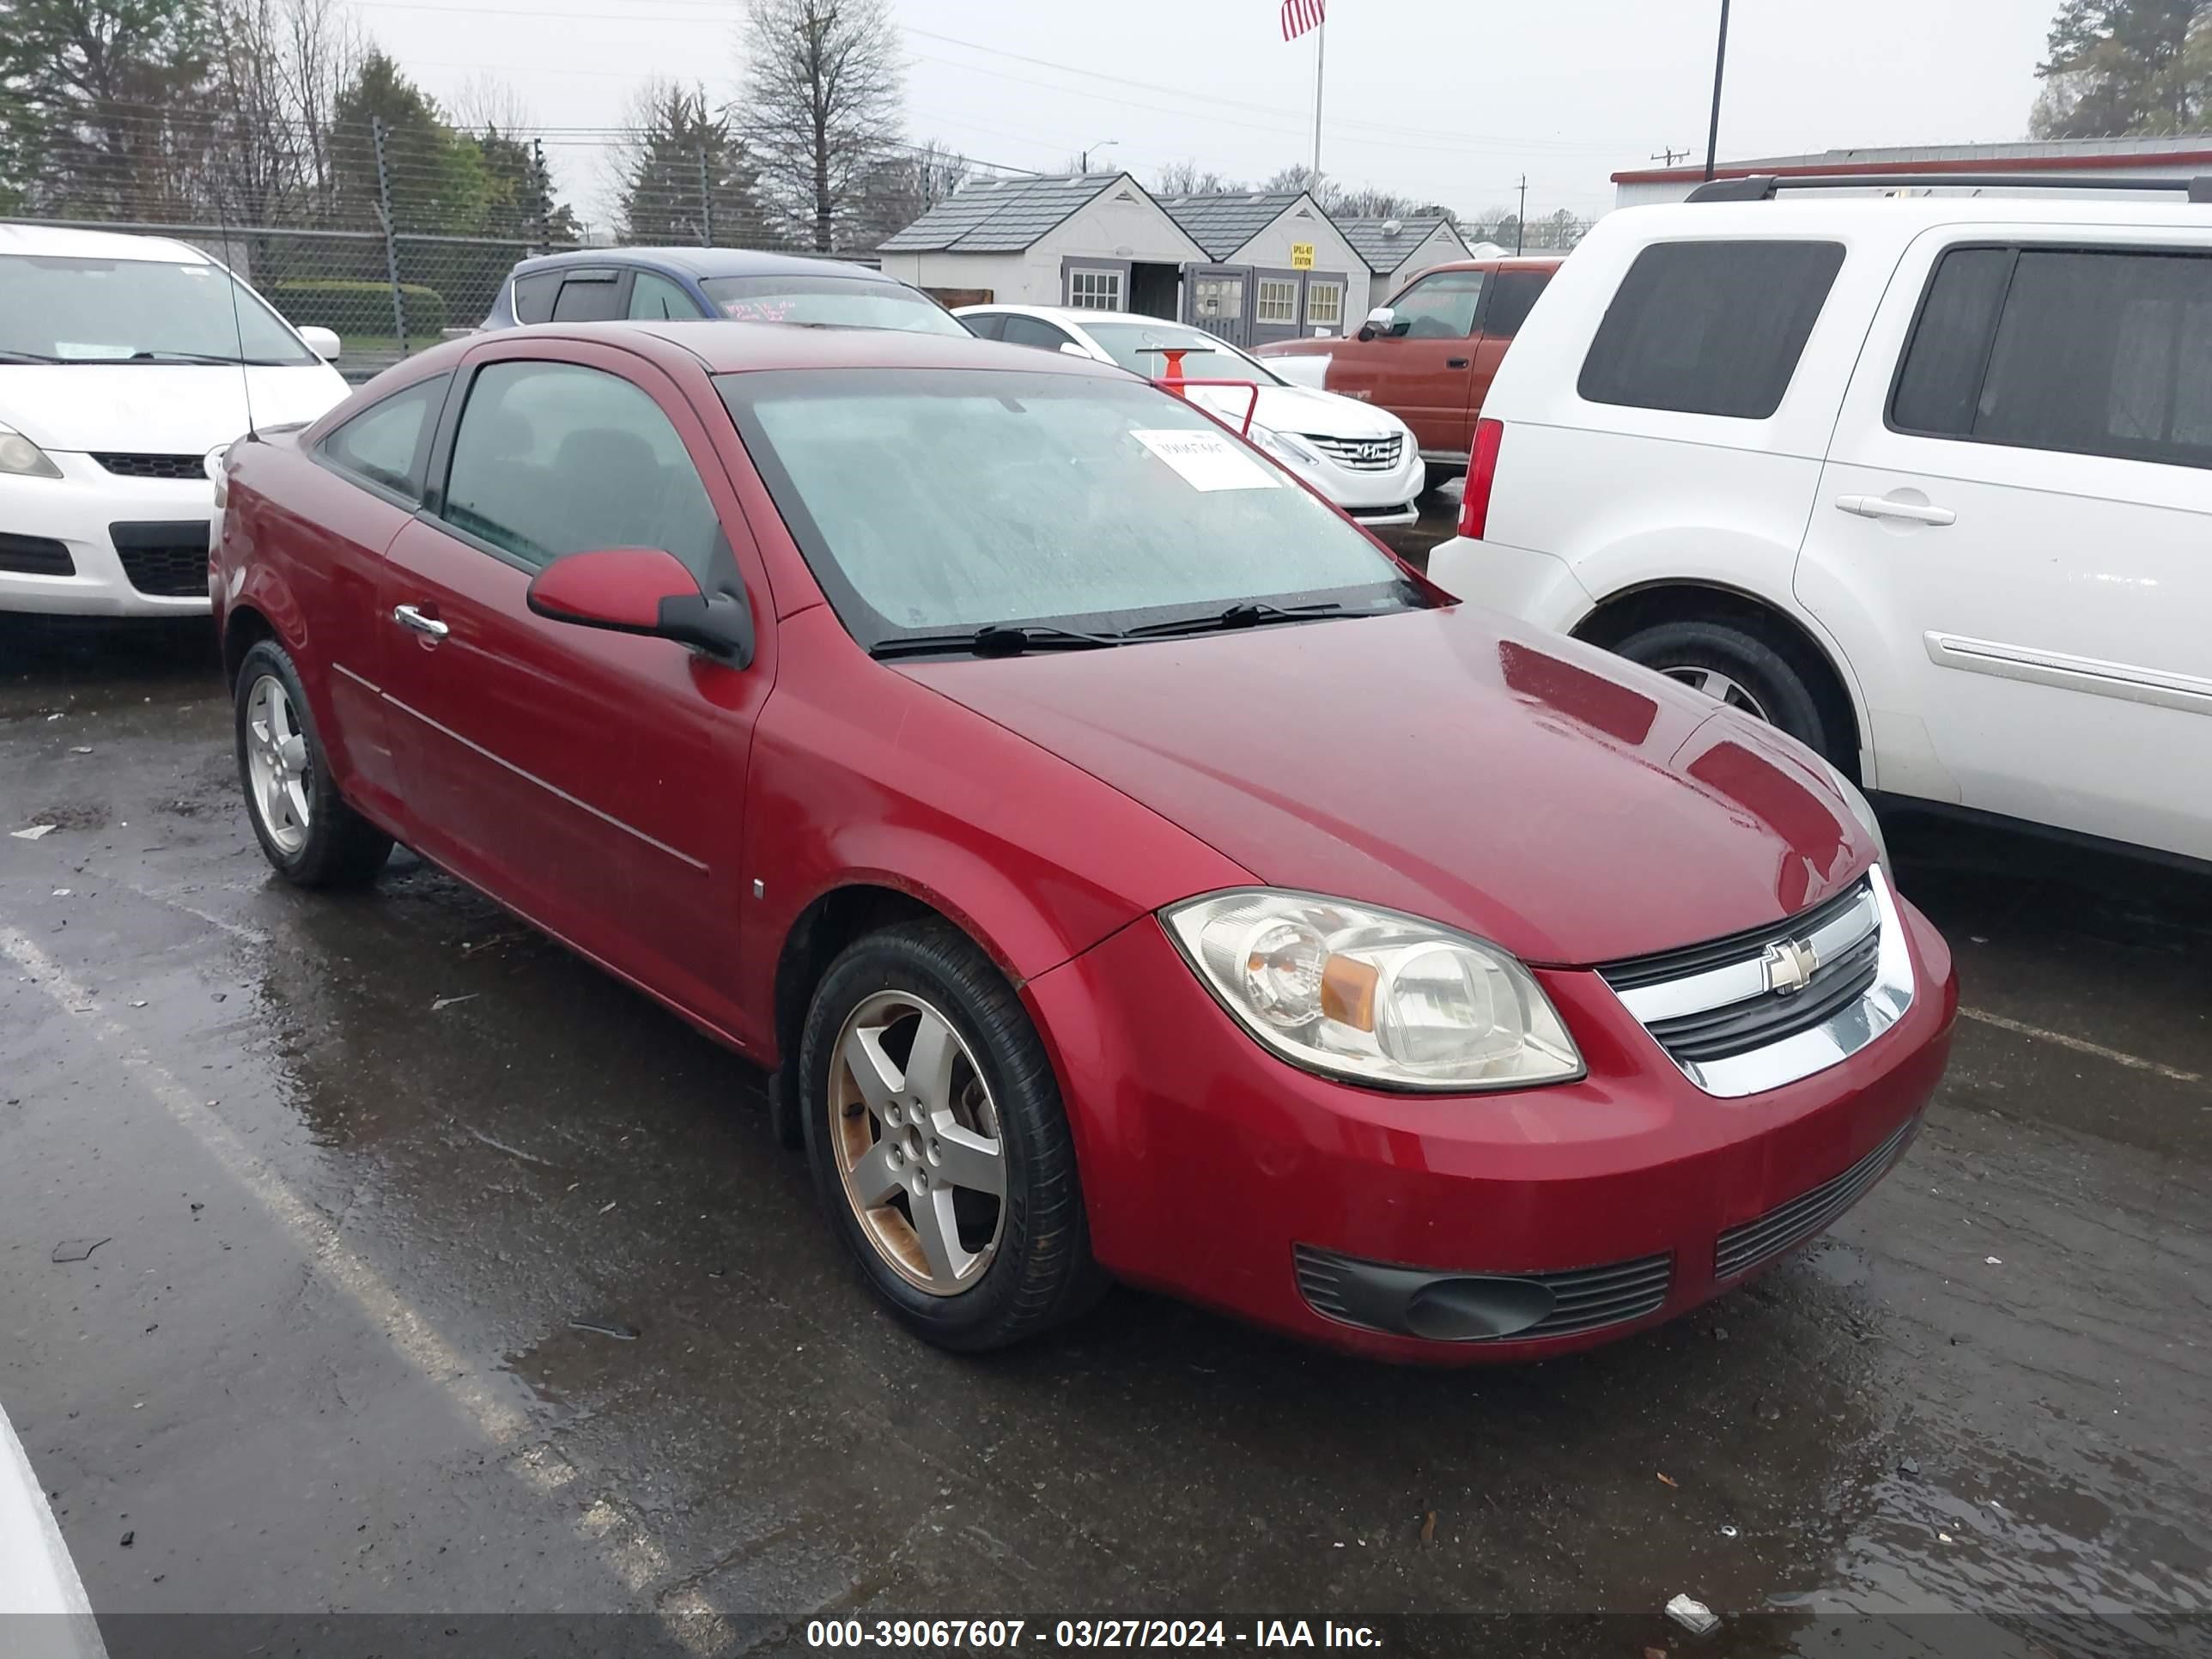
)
(1421, 370)
(2012, 529)
(374, 466)
(593, 780)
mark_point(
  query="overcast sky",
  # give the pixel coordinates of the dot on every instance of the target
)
(1452, 99)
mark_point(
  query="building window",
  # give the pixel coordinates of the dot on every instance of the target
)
(1095, 290)
(1324, 305)
(1277, 303)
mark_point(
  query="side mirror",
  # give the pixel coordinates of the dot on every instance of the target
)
(323, 342)
(642, 590)
(1381, 321)
(1068, 347)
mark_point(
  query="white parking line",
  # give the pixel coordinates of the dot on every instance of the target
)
(2080, 1045)
(631, 1553)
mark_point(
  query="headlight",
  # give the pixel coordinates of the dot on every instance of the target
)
(1373, 995)
(23, 457)
(1283, 444)
(1862, 810)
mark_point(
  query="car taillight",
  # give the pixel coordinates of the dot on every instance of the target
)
(1481, 474)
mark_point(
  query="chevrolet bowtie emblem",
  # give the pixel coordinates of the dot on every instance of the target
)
(1789, 965)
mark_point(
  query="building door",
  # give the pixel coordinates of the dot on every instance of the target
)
(1217, 298)
(1277, 300)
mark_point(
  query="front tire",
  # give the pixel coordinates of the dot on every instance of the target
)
(1741, 668)
(307, 831)
(939, 1146)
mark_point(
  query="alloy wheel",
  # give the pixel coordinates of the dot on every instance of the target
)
(1719, 687)
(917, 1141)
(276, 764)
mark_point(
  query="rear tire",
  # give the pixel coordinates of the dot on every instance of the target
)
(906, 1158)
(1742, 668)
(309, 833)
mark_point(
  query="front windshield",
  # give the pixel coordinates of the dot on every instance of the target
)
(67, 309)
(830, 302)
(938, 501)
(1212, 357)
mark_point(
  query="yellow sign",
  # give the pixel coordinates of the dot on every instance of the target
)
(1302, 256)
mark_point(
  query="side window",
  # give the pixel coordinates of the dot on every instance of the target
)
(554, 457)
(385, 443)
(1513, 295)
(594, 297)
(2092, 353)
(1442, 307)
(1710, 328)
(989, 326)
(1032, 331)
(653, 297)
(533, 296)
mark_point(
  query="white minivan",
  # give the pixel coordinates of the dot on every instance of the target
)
(1924, 480)
(127, 363)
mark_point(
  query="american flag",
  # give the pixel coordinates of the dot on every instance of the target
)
(1299, 15)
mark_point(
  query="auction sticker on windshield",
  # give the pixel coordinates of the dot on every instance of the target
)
(1206, 461)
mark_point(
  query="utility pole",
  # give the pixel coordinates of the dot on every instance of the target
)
(1720, 62)
(1520, 219)
(1321, 58)
(1669, 155)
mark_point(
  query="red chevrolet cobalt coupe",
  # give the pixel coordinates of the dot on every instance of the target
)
(1131, 869)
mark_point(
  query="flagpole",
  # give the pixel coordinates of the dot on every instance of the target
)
(1321, 54)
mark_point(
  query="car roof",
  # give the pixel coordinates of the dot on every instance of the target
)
(732, 348)
(1807, 212)
(1073, 316)
(1507, 261)
(705, 262)
(55, 241)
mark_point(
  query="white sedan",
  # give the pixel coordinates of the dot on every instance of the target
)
(41, 1598)
(1362, 458)
(124, 367)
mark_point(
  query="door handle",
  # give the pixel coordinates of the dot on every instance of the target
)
(1456, 363)
(408, 617)
(1880, 506)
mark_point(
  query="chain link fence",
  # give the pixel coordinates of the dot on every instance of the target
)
(393, 235)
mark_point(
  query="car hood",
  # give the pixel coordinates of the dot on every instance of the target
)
(1566, 805)
(1302, 409)
(157, 408)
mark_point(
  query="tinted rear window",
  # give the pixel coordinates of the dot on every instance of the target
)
(589, 300)
(2087, 351)
(1710, 328)
(533, 296)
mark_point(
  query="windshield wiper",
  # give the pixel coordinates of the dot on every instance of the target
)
(1249, 613)
(993, 639)
(178, 357)
(29, 357)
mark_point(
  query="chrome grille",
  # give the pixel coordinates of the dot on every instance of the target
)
(1765, 1006)
(1360, 454)
(1786, 1225)
(155, 466)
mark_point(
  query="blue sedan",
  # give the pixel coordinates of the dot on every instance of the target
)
(657, 283)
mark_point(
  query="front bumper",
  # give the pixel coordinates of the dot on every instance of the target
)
(1373, 498)
(89, 575)
(1216, 1172)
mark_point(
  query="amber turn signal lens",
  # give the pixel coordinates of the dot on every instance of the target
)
(1347, 993)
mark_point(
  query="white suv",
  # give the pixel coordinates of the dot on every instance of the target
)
(1925, 481)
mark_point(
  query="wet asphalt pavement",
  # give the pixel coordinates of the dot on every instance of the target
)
(367, 1172)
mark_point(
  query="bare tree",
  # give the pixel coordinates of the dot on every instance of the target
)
(485, 101)
(1188, 178)
(820, 106)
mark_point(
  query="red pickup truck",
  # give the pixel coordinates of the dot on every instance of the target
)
(1429, 356)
